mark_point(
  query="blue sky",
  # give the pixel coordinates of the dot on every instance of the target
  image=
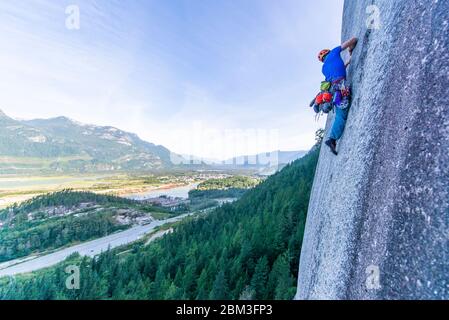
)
(161, 68)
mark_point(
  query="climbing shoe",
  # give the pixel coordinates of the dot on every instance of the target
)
(332, 143)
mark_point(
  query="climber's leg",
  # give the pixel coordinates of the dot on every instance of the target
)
(339, 123)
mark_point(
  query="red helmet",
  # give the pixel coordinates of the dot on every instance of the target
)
(323, 54)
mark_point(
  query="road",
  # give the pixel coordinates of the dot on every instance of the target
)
(91, 249)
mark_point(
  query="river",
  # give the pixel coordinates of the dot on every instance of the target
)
(178, 192)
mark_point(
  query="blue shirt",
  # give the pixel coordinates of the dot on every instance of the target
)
(334, 66)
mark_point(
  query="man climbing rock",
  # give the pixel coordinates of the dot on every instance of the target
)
(334, 69)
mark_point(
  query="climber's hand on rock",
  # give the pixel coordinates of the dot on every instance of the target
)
(350, 44)
(351, 49)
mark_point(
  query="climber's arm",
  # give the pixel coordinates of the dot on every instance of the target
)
(350, 44)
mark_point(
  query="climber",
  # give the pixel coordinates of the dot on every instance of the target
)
(334, 69)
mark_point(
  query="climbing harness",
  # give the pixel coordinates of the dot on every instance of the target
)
(332, 94)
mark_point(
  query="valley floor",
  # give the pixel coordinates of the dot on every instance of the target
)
(17, 189)
(91, 248)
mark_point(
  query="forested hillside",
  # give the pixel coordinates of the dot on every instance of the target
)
(245, 250)
(55, 220)
(230, 187)
(237, 182)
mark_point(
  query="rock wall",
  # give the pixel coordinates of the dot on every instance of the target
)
(380, 210)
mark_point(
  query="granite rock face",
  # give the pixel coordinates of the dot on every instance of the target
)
(378, 221)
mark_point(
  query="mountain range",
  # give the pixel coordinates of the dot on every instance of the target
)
(61, 144)
(67, 146)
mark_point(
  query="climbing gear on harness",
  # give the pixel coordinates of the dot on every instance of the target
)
(327, 97)
(327, 107)
(323, 102)
(323, 97)
(323, 54)
(325, 86)
(341, 93)
(336, 93)
(337, 98)
(313, 102)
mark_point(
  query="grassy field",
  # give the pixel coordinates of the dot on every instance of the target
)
(30, 166)
(21, 188)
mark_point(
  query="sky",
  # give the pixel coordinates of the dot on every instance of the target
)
(214, 78)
